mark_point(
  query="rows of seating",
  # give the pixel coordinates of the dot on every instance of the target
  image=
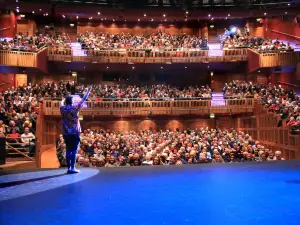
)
(284, 102)
(107, 148)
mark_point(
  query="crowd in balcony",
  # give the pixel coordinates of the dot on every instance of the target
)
(104, 148)
(18, 114)
(284, 102)
(158, 41)
(33, 43)
(125, 92)
(235, 39)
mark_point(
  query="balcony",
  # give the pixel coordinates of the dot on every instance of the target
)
(146, 108)
(133, 56)
(25, 59)
(273, 59)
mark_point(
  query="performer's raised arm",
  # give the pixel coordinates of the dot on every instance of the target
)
(86, 95)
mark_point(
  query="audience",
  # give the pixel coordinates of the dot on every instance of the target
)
(284, 102)
(33, 43)
(158, 41)
(236, 39)
(100, 148)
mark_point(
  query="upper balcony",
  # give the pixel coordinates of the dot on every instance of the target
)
(16, 58)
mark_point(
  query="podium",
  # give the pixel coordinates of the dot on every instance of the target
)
(2, 151)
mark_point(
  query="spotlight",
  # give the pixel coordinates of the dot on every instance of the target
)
(233, 30)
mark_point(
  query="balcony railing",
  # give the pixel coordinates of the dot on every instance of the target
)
(145, 108)
(142, 56)
(25, 59)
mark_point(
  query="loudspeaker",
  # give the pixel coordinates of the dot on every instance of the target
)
(2, 151)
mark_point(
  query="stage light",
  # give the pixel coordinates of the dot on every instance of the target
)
(107, 67)
(186, 12)
(145, 15)
(185, 67)
(161, 67)
(139, 20)
(151, 19)
(32, 12)
(72, 25)
(212, 26)
(265, 13)
(40, 9)
(99, 13)
(22, 15)
(164, 15)
(233, 30)
(77, 17)
(289, 4)
(228, 15)
(209, 15)
(133, 67)
(63, 16)
(17, 10)
(211, 73)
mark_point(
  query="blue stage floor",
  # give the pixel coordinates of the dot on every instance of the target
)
(235, 194)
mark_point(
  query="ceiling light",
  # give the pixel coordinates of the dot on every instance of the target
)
(22, 15)
(32, 12)
(99, 13)
(107, 67)
(17, 10)
(77, 17)
(165, 20)
(145, 15)
(285, 12)
(71, 24)
(225, 18)
(46, 14)
(185, 20)
(40, 9)
(101, 19)
(151, 19)
(228, 15)
(289, 4)
(164, 15)
(104, 18)
(114, 20)
(161, 67)
(133, 67)
(209, 15)
(212, 18)
(185, 67)
(63, 16)
(139, 20)
(186, 12)
(265, 13)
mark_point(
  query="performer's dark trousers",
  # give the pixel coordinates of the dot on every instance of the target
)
(72, 141)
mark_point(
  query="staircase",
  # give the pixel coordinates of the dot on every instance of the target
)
(217, 99)
(76, 49)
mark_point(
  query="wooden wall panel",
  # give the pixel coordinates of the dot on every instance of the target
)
(7, 81)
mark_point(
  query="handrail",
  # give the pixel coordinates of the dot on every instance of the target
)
(279, 32)
(288, 84)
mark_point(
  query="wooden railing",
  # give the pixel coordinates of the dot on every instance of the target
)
(141, 56)
(176, 107)
(257, 60)
(24, 59)
(295, 38)
(263, 127)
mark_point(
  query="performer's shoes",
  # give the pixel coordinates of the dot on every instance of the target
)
(71, 171)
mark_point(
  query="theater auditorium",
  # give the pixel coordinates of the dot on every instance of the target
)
(185, 112)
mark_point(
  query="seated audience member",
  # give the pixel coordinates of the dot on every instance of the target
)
(28, 140)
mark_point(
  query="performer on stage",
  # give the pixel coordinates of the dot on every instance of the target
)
(71, 128)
